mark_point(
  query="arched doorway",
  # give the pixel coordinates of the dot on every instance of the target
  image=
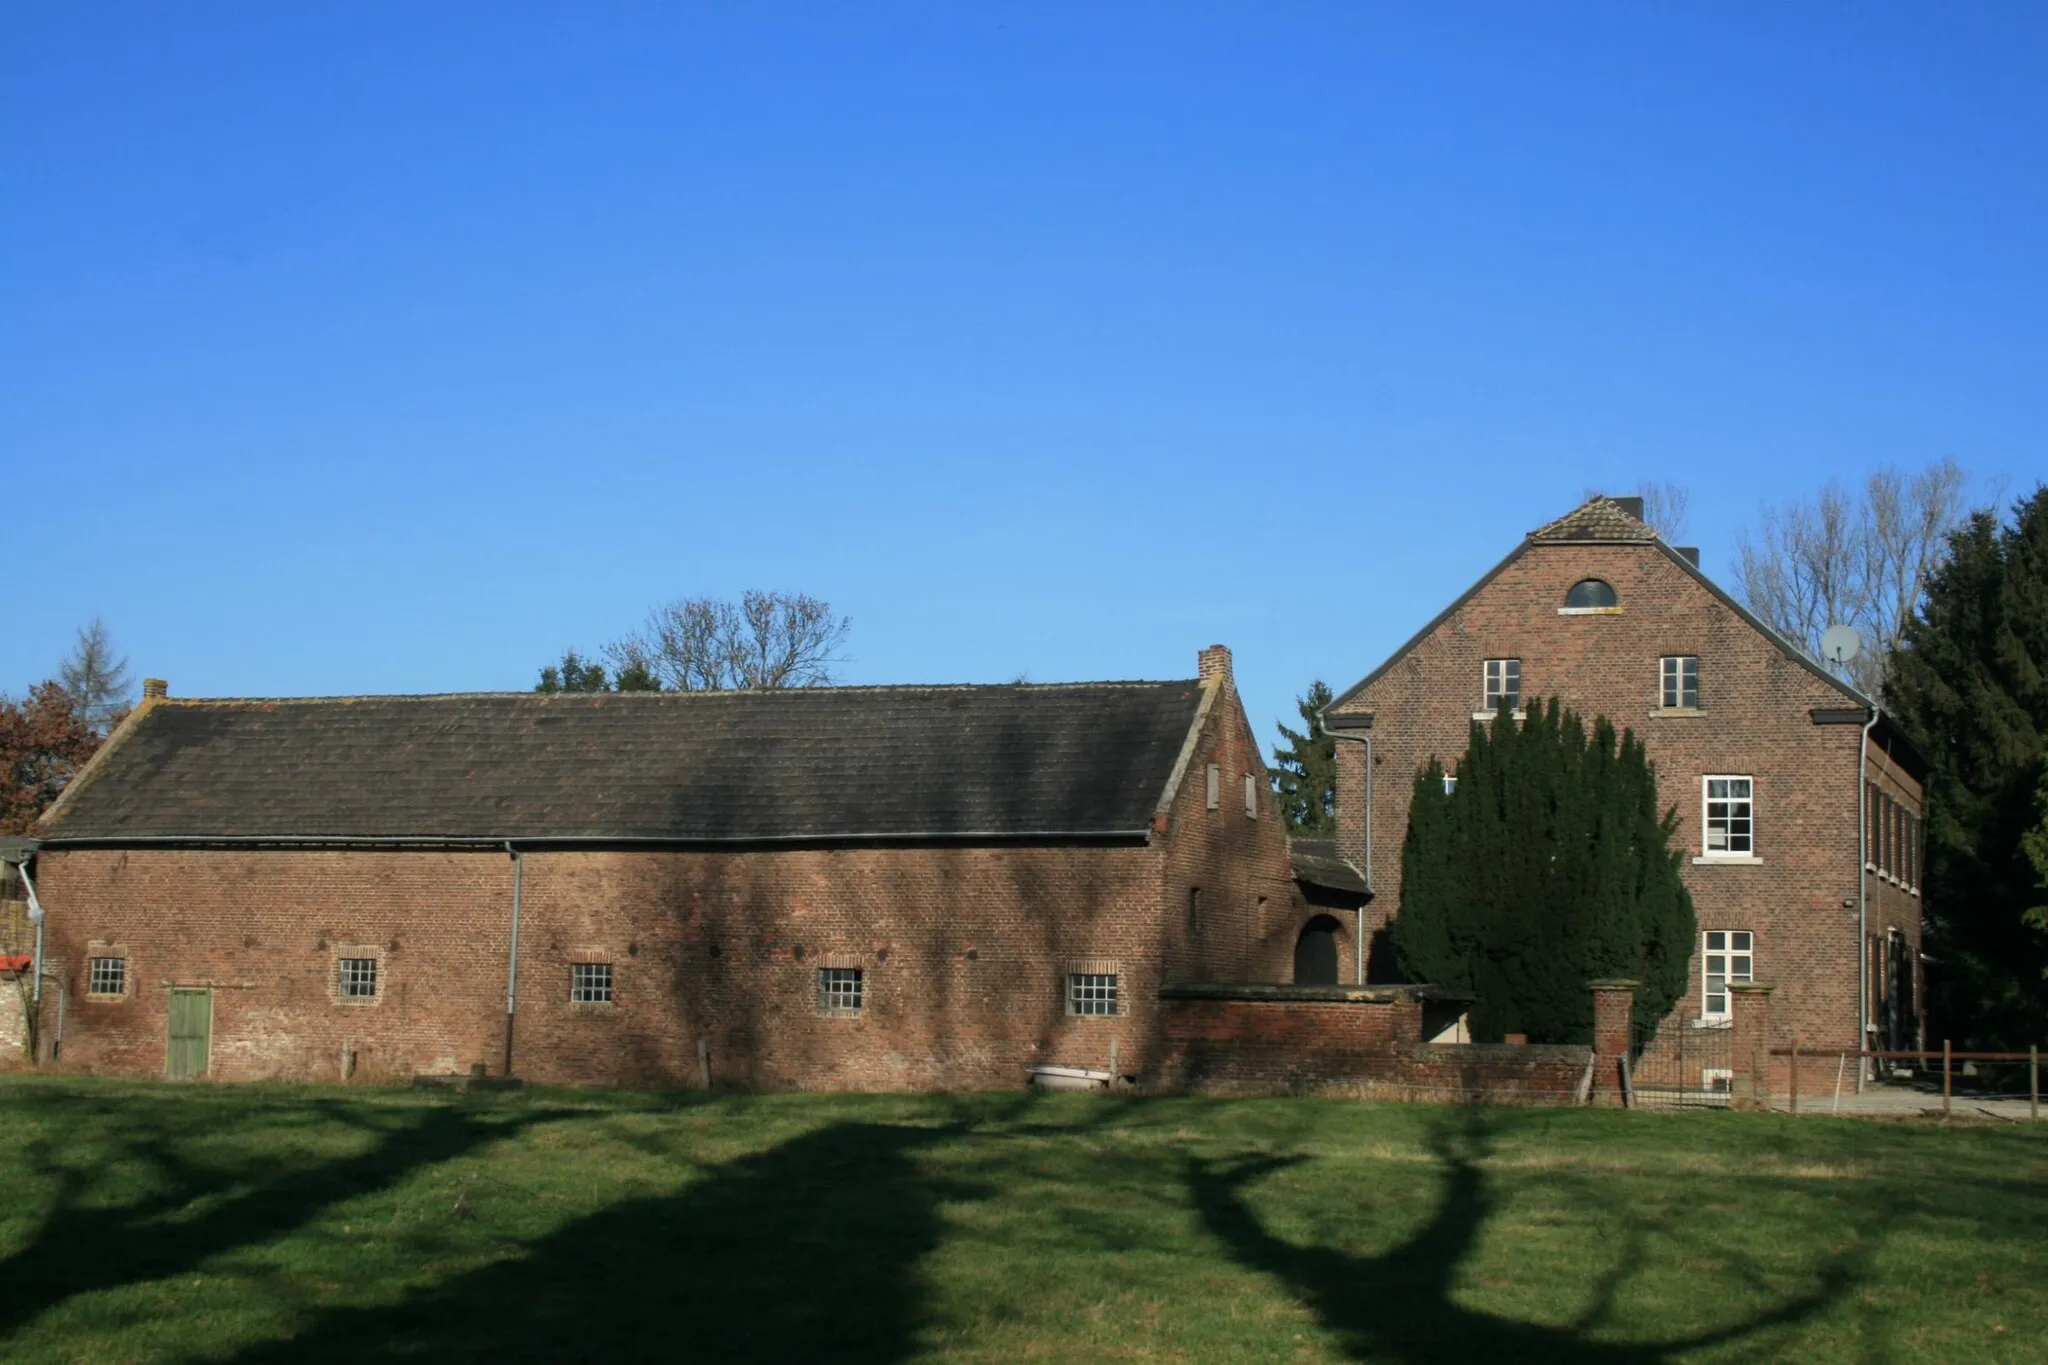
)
(1315, 953)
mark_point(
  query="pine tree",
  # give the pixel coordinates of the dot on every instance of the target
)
(1304, 771)
(1544, 866)
(1969, 684)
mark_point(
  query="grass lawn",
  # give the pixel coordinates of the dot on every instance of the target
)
(145, 1222)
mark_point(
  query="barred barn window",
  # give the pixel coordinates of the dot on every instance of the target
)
(839, 990)
(590, 983)
(1092, 993)
(358, 979)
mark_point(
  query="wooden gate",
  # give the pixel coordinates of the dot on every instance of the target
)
(191, 1033)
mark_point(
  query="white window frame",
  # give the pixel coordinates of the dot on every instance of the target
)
(349, 980)
(1726, 852)
(1493, 686)
(1094, 995)
(842, 991)
(1214, 793)
(1736, 957)
(1671, 682)
(97, 977)
(592, 983)
(1251, 796)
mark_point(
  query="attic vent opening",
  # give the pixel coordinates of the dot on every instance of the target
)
(1591, 592)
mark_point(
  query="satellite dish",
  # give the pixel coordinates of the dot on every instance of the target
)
(1840, 644)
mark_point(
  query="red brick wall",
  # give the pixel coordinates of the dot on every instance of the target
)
(1754, 719)
(963, 951)
(1251, 911)
(1373, 1050)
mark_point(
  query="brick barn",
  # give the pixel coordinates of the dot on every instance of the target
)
(861, 888)
(1799, 804)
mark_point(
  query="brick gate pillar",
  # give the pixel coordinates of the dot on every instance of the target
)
(1614, 1010)
(1749, 1044)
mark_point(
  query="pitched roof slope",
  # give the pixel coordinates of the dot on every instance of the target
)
(1597, 519)
(823, 763)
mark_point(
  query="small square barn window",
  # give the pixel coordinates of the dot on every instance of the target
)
(1091, 993)
(107, 976)
(839, 990)
(590, 983)
(358, 978)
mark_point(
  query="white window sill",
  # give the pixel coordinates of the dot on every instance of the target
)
(1729, 859)
(1519, 714)
(1711, 1021)
(1676, 712)
(1589, 611)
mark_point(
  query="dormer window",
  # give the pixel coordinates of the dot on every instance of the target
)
(1591, 594)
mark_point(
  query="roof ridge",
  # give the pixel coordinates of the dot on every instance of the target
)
(1599, 517)
(701, 695)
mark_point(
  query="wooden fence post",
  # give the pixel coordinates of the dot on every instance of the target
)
(1944, 1078)
(2033, 1082)
(1795, 1073)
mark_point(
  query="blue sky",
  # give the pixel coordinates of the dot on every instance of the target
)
(379, 347)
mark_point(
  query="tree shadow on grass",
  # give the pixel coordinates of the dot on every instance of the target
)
(1400, 1305)
(807, 1251)
(83, 1245)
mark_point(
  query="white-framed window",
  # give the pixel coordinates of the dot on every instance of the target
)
(106, 976)
(1450, 783)
(1215, 786)
(1091, 993)
(1728, 828)
(1251, 797)
(590, 983)
(1678, 687)
(1503, 684)
(357, 978)
(840, 990)
(1727, 957)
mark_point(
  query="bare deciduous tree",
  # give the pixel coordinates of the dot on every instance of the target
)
(765, 640)
(96, 680)
(1847, 560)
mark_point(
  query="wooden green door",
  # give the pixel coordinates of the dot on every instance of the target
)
(191, 1033)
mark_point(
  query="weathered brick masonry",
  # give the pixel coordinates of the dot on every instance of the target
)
(964, 946)
(1364, 1042)
(1762, 713)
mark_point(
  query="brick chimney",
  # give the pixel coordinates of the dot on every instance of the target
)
(1215, 665)
(1632, 506)
(155, 687)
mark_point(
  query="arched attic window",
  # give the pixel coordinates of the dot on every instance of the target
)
(1591, 592)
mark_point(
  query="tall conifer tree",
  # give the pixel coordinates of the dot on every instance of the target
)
(1546, 865)
(1969, 683)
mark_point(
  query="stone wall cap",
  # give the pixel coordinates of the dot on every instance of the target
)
(1284, 992)
(1614, 984)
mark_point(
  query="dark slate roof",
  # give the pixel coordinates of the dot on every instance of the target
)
(815, 764)
(1317, 862)
(1597, 518)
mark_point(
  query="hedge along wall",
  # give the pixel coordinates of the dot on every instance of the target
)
(1347, 1041)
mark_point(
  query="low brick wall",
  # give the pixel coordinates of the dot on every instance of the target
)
(1347, 1041)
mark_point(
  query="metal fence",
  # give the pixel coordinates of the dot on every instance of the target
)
(1948, 1058)
(1681, 1067)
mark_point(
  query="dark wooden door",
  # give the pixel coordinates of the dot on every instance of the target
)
(191, 1033)
(1315, 953)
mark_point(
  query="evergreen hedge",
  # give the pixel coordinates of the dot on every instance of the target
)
(1546, 867)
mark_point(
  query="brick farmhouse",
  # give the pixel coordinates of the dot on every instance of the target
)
(861, 888)
(1799, 805)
